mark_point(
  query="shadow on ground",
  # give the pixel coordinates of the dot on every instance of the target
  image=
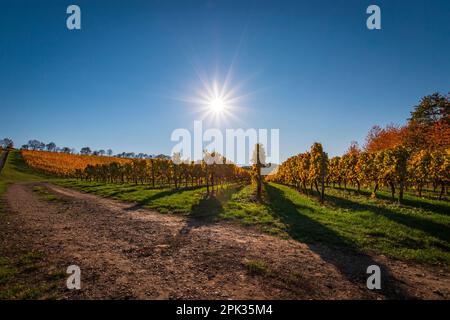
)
(415, 202)
(209, 209)
(148, 200)
(345, 256)
(432, 228)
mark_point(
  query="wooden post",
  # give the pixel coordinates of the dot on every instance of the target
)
(322, 178)
(258, 175)
(259, 165)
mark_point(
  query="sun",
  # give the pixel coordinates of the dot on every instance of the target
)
(218, 102)
(217, 105)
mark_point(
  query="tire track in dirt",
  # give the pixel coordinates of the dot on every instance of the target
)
(127, 252)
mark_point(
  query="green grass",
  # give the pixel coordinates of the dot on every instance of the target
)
(46, 194)
(7, 271)
(17, 280)
(256, 267)
(15, 170)
(188, 201)
(420, 232)
(30, 259)
(243, 208)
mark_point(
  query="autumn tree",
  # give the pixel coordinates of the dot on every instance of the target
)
(431, 109)
(384, 138)
(440, 170)
(334, 173)
(352, 167)
(6, 143)
(419, 168)
(85, 151)
(429, 124)
(51, 146)
(366, 171)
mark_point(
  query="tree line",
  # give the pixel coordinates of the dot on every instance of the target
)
(36, 145)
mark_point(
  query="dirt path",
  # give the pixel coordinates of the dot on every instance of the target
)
(124, 252)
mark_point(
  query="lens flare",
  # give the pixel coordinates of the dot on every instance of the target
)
(217, 105)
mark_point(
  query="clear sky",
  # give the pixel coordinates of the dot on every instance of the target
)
(311, 69)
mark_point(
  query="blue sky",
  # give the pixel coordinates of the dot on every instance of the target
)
(311, 69)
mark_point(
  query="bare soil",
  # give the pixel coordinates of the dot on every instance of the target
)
(126, 252)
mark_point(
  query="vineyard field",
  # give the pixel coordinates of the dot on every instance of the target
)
(62, 164)
(417, 230)
(349, 217)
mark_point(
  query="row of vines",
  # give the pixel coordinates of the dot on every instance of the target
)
(154, 172)
(397, 169)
